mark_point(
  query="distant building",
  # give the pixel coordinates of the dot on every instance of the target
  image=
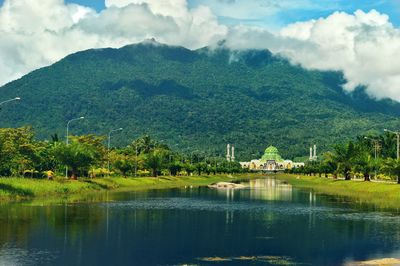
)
(270, 161)
(230, 153)
(313, 153)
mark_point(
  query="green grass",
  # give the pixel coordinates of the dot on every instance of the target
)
(383, 195)
(23, 188)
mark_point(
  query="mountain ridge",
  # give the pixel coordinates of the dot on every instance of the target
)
(197, 100)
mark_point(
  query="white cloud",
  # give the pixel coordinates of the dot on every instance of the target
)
(364, 46)
(36, 33)
(172, 8)
(31, 37)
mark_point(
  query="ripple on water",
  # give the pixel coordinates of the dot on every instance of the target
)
(366, 216)
(282, 208)
(10, 256)
(209, 205)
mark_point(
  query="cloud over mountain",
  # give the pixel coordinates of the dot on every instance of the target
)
(363, 45)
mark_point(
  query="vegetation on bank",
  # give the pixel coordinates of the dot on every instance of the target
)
(382, 194)
(344, 170)
(32, 168)
(19, 188)
(87, 156)
(365, 157)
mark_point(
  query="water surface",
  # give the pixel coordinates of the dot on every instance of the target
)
(268, 223)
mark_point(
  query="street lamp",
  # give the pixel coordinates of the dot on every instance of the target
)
(67, 140)
(10, 100)
(398, 140)
(376, 145)
(108, 148)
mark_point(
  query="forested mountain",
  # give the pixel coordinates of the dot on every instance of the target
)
(197, 100)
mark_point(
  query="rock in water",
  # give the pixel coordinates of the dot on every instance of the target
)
(226, 185)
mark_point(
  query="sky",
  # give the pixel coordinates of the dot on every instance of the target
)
(311, 10)
(361, 38)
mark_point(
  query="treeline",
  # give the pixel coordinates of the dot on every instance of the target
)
(88, 156)
(365, 157)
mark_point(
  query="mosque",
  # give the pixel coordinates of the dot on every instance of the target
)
(270, 161)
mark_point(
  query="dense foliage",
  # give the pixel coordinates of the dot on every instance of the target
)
(22, 155)
(196, 100)
(364, 157)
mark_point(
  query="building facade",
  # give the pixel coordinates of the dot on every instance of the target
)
(271, 161)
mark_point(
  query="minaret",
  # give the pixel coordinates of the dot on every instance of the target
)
(228, 156)
(233, 154)
(315, 152)
(311, 153)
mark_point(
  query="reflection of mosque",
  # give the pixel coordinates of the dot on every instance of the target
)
(271, 161)
(268, 189)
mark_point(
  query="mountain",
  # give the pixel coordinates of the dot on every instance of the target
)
(197, 101)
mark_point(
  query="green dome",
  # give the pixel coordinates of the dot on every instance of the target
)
(271, 149)
(271, 154)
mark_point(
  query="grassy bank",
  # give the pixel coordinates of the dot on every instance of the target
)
(384, 195)
(23, 188)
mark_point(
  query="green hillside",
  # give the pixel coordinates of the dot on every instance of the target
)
(197, 100)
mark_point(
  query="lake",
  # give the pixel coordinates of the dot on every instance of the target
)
(267, 223)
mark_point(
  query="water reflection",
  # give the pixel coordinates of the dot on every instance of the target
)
(270, 189)
(260, 189)
(259, 225)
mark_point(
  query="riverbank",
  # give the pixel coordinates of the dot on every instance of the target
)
(381, 194)
(25, 188)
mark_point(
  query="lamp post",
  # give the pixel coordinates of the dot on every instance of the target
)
(10, 100)
(376, 146)
(398, 140)
(108, 147)
(67, 140)
(136, 159)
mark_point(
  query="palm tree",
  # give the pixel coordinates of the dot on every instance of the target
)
(123, 162)
(145, 144)
(392, 167)
(77, 156)
(155, 160)
(327, 165)
(388, 141)
(342, 157)
(364, 163)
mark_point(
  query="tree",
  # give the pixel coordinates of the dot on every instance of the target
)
(388, 141)
(123, 162)
(155, 160)
(200, 167)
(327, 165)
(174, 167)
(392, 167)
(76, 156)
(189, 168)
(17, 150)
(342, 156)
(44, 159)
(96, 142)
(364, 163)
(145, 144)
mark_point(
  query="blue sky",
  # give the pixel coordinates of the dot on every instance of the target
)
(287, 14)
